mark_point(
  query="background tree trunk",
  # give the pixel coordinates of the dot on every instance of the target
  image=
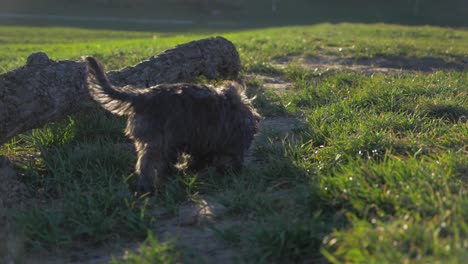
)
(43, 90)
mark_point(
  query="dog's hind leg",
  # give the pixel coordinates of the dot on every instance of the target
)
(199, 162)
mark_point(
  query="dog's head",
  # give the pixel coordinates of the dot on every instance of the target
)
(236, 94)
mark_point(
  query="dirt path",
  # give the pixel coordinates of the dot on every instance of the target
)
(378, 64)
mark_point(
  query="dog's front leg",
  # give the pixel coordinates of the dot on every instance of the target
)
(226, 163)
(145, 171)
(152, 168)
(199, 162)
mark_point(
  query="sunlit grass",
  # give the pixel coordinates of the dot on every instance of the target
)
(151, 251)
(376, 171)
(257, 47)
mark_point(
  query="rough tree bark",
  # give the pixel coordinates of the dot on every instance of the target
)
(43, 90)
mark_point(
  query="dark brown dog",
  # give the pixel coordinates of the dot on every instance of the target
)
(213, 126)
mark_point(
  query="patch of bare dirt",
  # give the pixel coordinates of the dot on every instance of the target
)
(276, 83)
(280, 125)
(192, 229)
(378, 64)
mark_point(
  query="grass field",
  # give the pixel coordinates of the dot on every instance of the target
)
(374, 169)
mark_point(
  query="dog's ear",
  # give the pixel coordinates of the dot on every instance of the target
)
(238, 85)
(230, 87)
(241, 87)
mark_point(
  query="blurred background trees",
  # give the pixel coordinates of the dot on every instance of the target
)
(258, 12)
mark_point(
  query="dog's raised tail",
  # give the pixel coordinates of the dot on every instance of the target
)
(102, 91)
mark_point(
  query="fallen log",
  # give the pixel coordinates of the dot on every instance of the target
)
(44, 90)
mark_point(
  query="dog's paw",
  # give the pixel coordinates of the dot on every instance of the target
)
(145, 189)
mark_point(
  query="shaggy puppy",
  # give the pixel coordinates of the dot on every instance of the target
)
(214, 126)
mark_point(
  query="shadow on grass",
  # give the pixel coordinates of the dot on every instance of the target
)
(425, 64)
(452, 113)
(412, 63)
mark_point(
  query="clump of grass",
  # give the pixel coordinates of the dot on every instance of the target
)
(152, 251)
(369, 159)
(267, 102)
(85, 175)
(279, 240)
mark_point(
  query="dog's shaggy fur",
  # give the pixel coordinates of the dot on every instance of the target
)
(213, 126)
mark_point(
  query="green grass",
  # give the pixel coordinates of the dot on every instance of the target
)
(152, 252)
(257, 47)
(377, 170)
(86, 188)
